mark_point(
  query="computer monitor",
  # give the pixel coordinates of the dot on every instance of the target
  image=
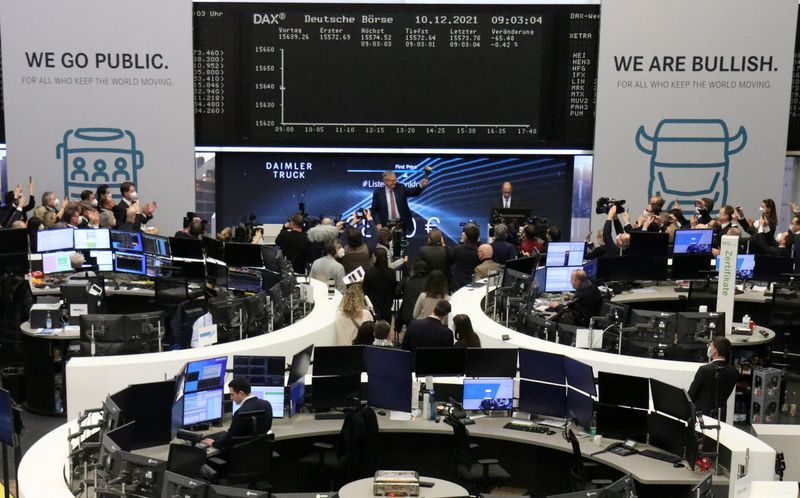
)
(699, 327)
(623, 390)
(391, 393)
(130, 262)
(745, 266)
(230, 317)
(542, 366)
(615, 422)
(772, 268)
(656, 325)
(540, 326)
(157, 267)
(143, 474)
(106, 332)
(297, 396)
(186, 460)
(244, 279)
(338, 360)
(591, 268)
(491, 362)
(176, 416)
(123, 436)
(580, 376)
(488, 394)
(244, 255)
(186, 248)
(565, 254)
(516, 281)
(55, 239)
(218, 491)
(649, 244)
(702, 489)
(56, 262)
(92, 238)
(671, 400)
(300, 363)
(615, 311)
(274, 394)
(260, 370)
(387, 362)
(559, 278)
(126, 241)
(15, 240)
(143, 332)
(216, 273)
(439, 361)
(580, 407)
(202, 406)
(192, 271)
(213, 248)
(185, 487)
(542, 399)
(621, 488)
(205, 374)
(690, 266)
(104, 260)
(648, 267)
(693, 241)
(667, 433)
(524, 265)
(615, 269)
(335, 391)
(156, 245)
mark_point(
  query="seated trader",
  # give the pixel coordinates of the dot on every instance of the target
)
(487, 266)
(715, 376)
(430, 332)
(241, 422)
(584, 305)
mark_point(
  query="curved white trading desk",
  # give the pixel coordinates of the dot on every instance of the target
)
(90, 379)
(468, 300)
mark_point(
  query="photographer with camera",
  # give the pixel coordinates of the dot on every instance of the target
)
(294, 243)
(615, 238)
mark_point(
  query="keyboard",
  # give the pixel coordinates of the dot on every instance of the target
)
(526, 427)
(329, 416)
(664, 457)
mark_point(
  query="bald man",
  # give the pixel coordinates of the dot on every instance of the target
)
(487, 266)
(587, 300)
(506, 200)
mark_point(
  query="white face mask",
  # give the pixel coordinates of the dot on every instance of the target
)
(761, 209)
(709, 353)
(58, 201)
(340, 252)
(134, 196)
(94, 203)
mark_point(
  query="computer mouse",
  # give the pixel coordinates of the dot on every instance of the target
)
(381, 412)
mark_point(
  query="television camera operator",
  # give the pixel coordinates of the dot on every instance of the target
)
(615, 237)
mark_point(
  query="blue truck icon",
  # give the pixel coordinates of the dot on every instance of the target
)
(690, 158)
(96, 156)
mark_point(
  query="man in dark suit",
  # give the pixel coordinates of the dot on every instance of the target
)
(465, 256)
(241, 423)
(430, 332)
(436, 255)
(506, 200)
(131, 198)
(717, 376)
(390, 203)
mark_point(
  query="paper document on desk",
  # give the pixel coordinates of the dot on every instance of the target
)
(402, 416)
(589, 339)
(644, 290)
(47, 331)
(72, 329)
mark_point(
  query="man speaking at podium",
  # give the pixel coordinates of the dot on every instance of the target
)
(390, 203)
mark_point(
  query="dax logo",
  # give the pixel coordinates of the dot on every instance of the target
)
(268, 18)
(96, 156)
(689, 158)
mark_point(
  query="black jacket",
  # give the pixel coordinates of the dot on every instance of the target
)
(241, 422)
(465, 259)
(380, 208)
(296, 247)
(427, 333)
(702, 389)
(379, 286)
(608, 237)
(437, 258)
(410, 289)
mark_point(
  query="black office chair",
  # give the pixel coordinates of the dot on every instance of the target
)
(581, 472)
(784, 318)
(702, 293)
(247, 461)
(354, 456)
(482, 474)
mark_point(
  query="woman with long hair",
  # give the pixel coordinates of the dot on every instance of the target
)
(465, 335)
(351, 314)
(436, 289)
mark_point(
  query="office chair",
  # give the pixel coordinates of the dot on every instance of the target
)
(247, 461)
(354, 456)
(580, 470)
(784, 317)
(702, 293)
(483, 474)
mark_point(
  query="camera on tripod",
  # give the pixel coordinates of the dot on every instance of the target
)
(604, 205)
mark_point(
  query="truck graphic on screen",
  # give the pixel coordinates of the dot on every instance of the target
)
(689, 159)
(97, 156)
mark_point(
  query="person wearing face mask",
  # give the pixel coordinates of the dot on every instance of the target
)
(89, 198)
(131, 198)
(767, 222)
(72, 215)
(717, 376)
(327, 268)
(50, 203)
(104, 199)
(430, 332)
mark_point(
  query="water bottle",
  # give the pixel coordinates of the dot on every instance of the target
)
(433, 412)
(593, 427)
(49, 322)
(793, 405)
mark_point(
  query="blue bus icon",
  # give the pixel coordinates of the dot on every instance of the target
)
(690, 158)
(97, 156)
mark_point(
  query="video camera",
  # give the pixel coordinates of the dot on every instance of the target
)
(244, 231)
(604, 205)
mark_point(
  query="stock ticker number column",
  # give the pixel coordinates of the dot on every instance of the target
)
(391, 75)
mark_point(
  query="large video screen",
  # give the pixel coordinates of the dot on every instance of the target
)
(462, 187)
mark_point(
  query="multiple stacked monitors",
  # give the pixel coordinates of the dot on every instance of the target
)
(337, 376)
(201, 391)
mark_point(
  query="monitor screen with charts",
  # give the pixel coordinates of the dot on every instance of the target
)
(559, 279)
(156, 245)
(565, 254)
(205, 374)
(202, 406)
(126, 241)
(103, 259)
(489, 394)
(130, 262)
(56, 262)
(92, 238)
(273, 394)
